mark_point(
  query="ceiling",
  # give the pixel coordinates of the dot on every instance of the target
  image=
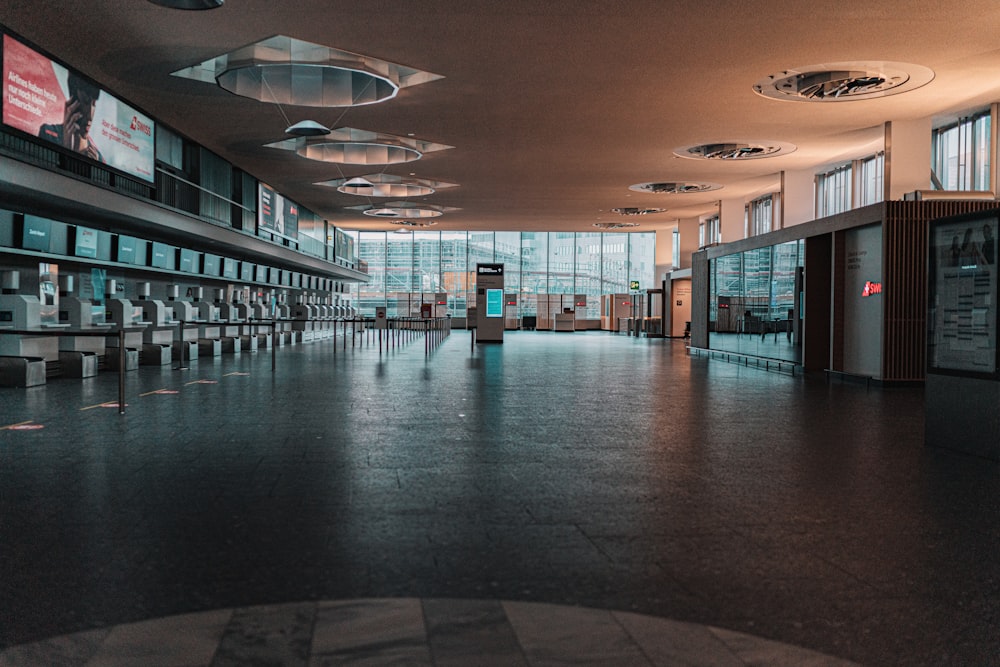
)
(553, 107)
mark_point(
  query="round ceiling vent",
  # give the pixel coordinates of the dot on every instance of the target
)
(414, 223)
(637, 211)
(674, 187)
(615, 225)
(735, 150)
(844, 81)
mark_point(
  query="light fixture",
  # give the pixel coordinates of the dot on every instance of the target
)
(307, 128)
(636, 211)
(674, 187)
(735, 150)
(284, 70)
(387, 185)
(189, 4)
(844, 81)
(403, 210)
(347, 145)
(413, 223)
(615, 225)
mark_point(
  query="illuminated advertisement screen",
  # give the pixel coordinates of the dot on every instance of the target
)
(46, 100)
(494, 303)
(276, 214)
(962, 318)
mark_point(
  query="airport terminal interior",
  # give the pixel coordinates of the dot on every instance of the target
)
(450, 333)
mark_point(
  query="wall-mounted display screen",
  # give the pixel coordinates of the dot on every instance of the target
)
(210, 265)
(188, 261)
(126, 250)
(261, 274)
(494, 303)
(228, 267)
(85, 242)
(962, 317)
(246, 272)
(276, 214)
(47, 100)
(37, 233)
(162, 256)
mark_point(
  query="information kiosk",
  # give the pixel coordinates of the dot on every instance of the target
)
(489, 303)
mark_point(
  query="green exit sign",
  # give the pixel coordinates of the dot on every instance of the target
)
(633, 285)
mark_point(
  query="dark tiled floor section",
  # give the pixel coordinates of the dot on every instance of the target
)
(409, 631)
(576, 469)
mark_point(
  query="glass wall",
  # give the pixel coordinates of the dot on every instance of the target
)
(536, 264)
(752, 302)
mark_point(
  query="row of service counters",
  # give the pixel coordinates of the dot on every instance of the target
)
(157, 332)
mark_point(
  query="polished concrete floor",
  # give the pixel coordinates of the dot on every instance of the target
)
(587, 470)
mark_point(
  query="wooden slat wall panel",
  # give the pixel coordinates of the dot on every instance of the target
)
(904, 261)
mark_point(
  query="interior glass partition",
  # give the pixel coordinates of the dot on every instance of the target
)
(753, 302)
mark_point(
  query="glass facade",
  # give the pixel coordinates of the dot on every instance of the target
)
(403, 267)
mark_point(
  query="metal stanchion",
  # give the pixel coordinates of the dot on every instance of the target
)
(180, 349)
(121, 370)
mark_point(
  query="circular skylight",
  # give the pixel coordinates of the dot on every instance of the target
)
(843, 81)
(403, 189)
(356, 152)
(674, 187)
(306, 84)
(735, 150)
(403, 212)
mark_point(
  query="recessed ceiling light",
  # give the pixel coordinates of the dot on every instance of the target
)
(735, 150)
(615, 225)
(413, 223)
(844, 81)
(674, 187)
(631, 210)
(283, 70)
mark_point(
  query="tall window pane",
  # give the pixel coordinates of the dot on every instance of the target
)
(455, 270)
(534, 270)
(642, 259)
(371, 295)
(588, 271)
(399, 281)
(481, 251)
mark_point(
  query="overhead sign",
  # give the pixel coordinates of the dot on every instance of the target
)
(633, 285)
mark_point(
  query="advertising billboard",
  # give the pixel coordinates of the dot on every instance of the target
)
(276, 214)
(46, 100)
(962, 317)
